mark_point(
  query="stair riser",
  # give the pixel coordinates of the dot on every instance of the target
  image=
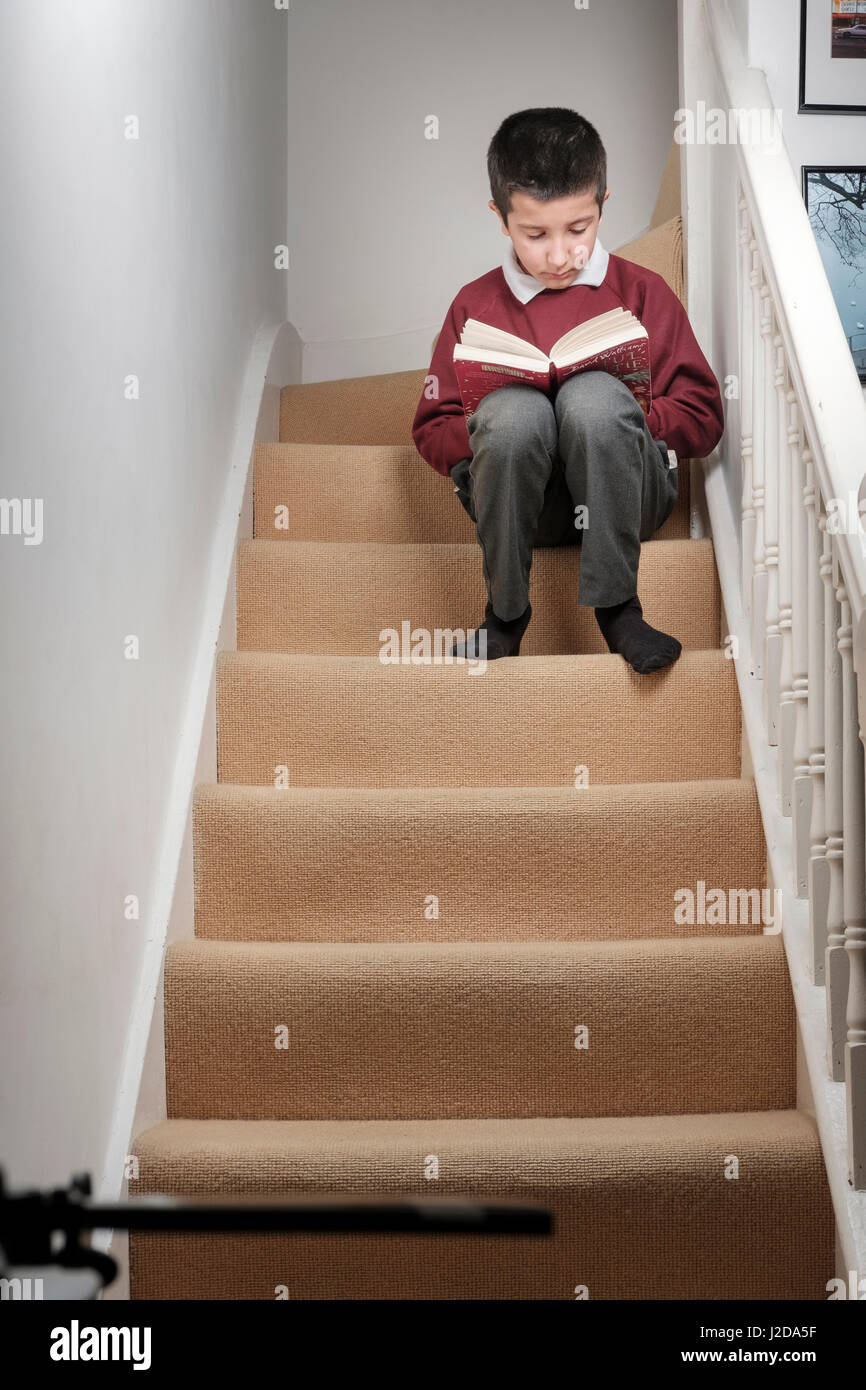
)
(539, 722)
(690, 1235)
(340, 599)
(643, 1262)
(439, 1031)
(384, 493)
(307, 865)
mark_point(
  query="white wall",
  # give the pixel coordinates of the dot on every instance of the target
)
(151, 257)
(774, 40)
(740, 15)
(388, 225)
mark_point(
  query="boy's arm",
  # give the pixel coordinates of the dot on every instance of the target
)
(439, 428)
(686, 409)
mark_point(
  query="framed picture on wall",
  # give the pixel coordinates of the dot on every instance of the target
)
(835, 197)
(833, 56)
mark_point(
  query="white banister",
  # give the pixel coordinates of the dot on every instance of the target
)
(797, 589)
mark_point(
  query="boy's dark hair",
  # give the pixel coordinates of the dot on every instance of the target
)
(548, 152)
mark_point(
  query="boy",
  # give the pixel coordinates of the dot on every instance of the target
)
(522, 464)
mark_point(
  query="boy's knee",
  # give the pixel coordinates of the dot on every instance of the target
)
(590, 398)
(514, 413)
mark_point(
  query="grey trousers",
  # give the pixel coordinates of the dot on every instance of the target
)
(580, 470)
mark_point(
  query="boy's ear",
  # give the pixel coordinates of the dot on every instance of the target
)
(492, 205)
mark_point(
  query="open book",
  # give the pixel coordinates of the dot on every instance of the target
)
(616, 342)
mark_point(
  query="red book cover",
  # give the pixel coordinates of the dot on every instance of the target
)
(477, 379)
(629, 361)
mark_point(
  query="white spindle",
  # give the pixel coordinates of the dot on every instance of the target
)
(832, 744)
(801, 787)
(855, 947)
(787, 710)
(772, 459)
(818, 875)
(763, 331)
(837, 961)
(747, 292)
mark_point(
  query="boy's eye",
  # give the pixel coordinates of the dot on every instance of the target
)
(577, 231)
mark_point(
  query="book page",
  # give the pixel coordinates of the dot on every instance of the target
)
(586, 350)
(482, 335)
(597, 331)
(540, 364)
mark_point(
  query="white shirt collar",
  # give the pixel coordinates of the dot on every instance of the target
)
(524, 286)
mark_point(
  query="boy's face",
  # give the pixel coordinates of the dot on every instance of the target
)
(553, 241)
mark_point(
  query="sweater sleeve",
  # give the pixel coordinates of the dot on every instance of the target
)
(439, 428)
(686, 410)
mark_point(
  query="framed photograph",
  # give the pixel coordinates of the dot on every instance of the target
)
(835, 198)
(833, 56)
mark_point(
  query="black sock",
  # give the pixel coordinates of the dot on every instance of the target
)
(625, 631)
(502, 636)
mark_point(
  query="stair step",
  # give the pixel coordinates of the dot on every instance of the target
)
(524, 721)
(508, 864)
(372, 492)
(376, 409)
(643, 1208)
(336, 598)
(482, 1029)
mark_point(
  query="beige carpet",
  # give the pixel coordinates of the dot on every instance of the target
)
(435, 881)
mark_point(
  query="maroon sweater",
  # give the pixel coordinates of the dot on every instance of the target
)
(687, 406)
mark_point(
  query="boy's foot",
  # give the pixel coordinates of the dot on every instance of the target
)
(625, 632)
(502, 638)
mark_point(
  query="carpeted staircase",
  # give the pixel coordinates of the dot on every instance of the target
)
(437, 912)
